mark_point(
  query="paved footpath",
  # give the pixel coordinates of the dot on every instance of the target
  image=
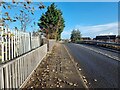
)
(57, 70)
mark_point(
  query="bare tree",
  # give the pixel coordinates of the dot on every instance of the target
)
(26, 9)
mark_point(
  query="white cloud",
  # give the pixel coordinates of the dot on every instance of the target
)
(107, 33)
(94, 30)
(105, 29)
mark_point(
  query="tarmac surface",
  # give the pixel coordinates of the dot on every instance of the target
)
(100, 67)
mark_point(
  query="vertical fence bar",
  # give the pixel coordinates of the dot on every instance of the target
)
(25, 66)
(10, 86)
(6, 45)
(2, 34)
(7, 76)
(26, 44)
(14, 43)
(2, 78)
(30, 41)
(13, 76)
(28, 48)
(23, 43)
(16, 73)
(2, 74)
(18, 43)
(20, 72)
(9, 42)
(23, 69)
(39, 39)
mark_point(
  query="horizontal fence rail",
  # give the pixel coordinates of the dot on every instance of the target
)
(15, 72)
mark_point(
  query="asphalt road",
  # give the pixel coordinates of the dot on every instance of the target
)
(100, 70)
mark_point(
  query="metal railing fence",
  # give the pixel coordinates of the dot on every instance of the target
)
(20, 53)
(14, 43)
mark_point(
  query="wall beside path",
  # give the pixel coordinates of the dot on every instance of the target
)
(14, 73)
(51, 43)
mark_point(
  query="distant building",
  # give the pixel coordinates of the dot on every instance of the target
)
(85, 38)
(66, 40)
(106, 38)
(117, 39)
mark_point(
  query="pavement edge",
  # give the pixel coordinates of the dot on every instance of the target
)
(76, 68)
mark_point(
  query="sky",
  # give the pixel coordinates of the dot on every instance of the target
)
(91, 18)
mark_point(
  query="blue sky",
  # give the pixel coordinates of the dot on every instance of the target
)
(91, 18)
